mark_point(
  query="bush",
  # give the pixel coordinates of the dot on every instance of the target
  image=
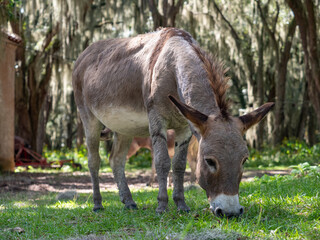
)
(288, 153)
(142, 159)
(304, 169)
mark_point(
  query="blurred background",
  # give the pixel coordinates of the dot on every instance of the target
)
(271, 47)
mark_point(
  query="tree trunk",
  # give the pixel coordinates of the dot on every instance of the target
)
(305, 17)
(169, 12)
(43, 119)
(38, 93)
(70, 124)
(32, 88)
(139, 16)
(303, 115)
(281, 84)
(312, 126)
(260, 88)
(22, 119)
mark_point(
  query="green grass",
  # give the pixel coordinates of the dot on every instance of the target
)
(279, 207)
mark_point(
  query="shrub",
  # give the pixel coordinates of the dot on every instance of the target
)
(288, 153)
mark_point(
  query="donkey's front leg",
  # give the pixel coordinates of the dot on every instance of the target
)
(162, 162)
(118, 155)
(179, 168)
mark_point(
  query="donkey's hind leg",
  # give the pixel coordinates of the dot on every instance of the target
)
(178, 168)
(120, 147)
(93, 128)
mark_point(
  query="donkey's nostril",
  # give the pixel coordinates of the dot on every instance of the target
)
(218, 212)
(241, 210)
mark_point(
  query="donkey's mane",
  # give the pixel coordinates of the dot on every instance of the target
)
(215, 69)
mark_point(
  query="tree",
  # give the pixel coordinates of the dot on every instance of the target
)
(282, 56)
(34, 74)
(254, 75)
(169, 9)
(305, 14)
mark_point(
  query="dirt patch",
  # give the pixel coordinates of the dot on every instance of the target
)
(81, 182)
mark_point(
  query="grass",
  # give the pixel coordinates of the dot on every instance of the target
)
(278, 207)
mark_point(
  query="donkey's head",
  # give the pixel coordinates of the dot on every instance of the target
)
(222, 153)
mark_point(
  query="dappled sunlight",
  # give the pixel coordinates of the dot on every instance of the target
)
(23, 205)
(67, 205)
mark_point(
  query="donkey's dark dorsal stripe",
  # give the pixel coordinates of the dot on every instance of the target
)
(124, 85)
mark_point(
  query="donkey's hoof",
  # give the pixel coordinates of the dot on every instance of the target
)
(98, 208)
(184, 208)
(131, 206)
(161, 210)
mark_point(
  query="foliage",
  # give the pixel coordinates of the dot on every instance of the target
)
(303, 169)
(277, 207)
(79, 155)
(7, 9)
(288, 153)
(285, 155)
(142, 159)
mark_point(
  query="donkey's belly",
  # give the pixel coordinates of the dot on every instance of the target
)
(125, 121)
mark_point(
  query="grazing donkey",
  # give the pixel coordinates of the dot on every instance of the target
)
(129, 86)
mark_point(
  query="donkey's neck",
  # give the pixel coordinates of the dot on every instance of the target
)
(194, 87)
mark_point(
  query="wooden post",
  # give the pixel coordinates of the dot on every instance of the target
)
(7, 77)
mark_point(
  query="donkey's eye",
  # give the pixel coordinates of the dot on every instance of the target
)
(211, 162)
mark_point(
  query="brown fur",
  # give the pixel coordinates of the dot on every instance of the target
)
(216, 75)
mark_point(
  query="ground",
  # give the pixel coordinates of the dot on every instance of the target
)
(80, 181)
(45, 205)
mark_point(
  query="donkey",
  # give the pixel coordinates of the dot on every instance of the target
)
(144, 85)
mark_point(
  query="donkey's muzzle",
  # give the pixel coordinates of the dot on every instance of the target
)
(226, 206)
(219, 212)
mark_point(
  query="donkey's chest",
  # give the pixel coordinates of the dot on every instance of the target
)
(125, 121)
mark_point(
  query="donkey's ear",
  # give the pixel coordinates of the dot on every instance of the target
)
(194, 116)
(252, 118)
